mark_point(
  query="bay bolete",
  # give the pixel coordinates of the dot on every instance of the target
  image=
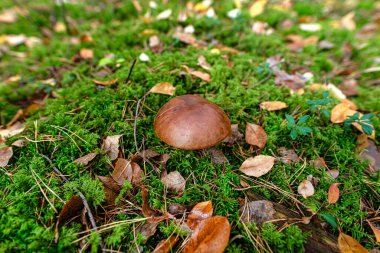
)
(191, 122)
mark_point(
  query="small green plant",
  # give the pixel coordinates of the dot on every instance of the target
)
(320, 105)
(263, 70)
(297, 128)
(364, 121)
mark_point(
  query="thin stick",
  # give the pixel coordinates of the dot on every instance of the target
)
(85, 203)
(130, 71)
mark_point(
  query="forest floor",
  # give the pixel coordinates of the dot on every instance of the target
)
(299, 81)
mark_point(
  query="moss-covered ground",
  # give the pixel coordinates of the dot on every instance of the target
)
(77, 115)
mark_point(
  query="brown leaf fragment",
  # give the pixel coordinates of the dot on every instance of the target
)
(177, 209)
(86, 53)
(211, 236)
(288, 156)
(349, 87)
(148, 154)
(147, 230)
(306, 189)
(5, 155)
(235, 136)
(203, 63)
(255, 135)
(273, 105)
(111, 189)
(165, 246)
(163, 88)
(259, 211)
(333, 195)
(146, 209)
(13, 130)
(333, 173)
(84, 160)
(347, 244)
(341, 112)
(111, 146)
(319, 163)
(204, 76)
(155, 45)
(127, 170)
(188, 38)
(200, 211)
(19, 143)
(105, 83)
(217, 156)
(174, 181)
(257, 166)
(297, 42)
(375, 230)
(72, 208)
(372, 154)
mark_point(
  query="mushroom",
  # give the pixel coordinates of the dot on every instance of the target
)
(191, 122)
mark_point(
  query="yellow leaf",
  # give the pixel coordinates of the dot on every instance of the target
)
(347, 244)
(163, 88)
(257, 7)
(376, 231)
(341, 112)
(273, 105)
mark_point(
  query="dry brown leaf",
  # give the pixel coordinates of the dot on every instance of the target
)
(297, 42)
(8, 16)
(375, 230)
(111, 189)
(200, 211)
(19, 143)
(165, 246)
(217, 156)
(341, 112)
(347, 244)
(333, 195)
(163, 88)
(188, 38)
(204, 76)
(147, 230)
(13, 130)
(146, 209)
(84, 160)
(174, 181)
(259, 211)
(372, 154)
(147, 153)
(86, 53)
(333, 173)
(203, 63)
(287, 156)
(255, 135)
(211, 236)
(235, 136)
(5, 155)
(72, 208)
(257, 166)
(273, 105)
(257, 7)
(111, 146)
(319, 163)
(105, 83)
(306, 189)
(155, 44)
(126, 170)
(347, 21)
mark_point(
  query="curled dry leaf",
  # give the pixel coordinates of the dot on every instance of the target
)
(211, 235)
(375, 230)
(72, 208)
(105, 83)
(257, 166)
(203, 63)
(306, 189)
(333, 195)
(199, 212)
(347, 244)
(255, 135)
(111, 146)
(13, 130)
(111, 189)
(259, 211)
(165, 246)
(273, 105)
(127, 170)
(341, 112)
(319, 163)
(174, 181)
(287, 156)
(153, 215)
(84, 160)
(163, 88)
(204, 76)
(5, 155)
(86, 53)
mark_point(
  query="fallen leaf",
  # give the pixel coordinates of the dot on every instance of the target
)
(333, 195)
(126, 170)
(8, 16)
(147, 230)
(177, 209)
(325, 44)
(333, 173)
(211, 236)
(165, 246)
(19, 143)
(111, 189)
(60, 27)
(311, 27)
(15, 40)
(261, 28)
(319, 163)
(349, 87)
(86, 53)
(288, 156)
(347, 21)
(347, 244)
(255, 135)
(111, 146)
(188, 38)
(273, 105)
(257, 7)
(147, 153)
(341, 112)
(200, 211)
(189, 29)
(105, 83)
(72, 208)
(84, 160)
(306, 189)
(217, 156)
(155, 44)
(5, 155)
(375, 230)
(164, 15)
(235, 136)
(297, 42)
(259, 211)
(204, 76)
(203, 63)
(174, 181)
(372, 154)
(144, 57)
(257, 166)
(163, 88)
(146, 209)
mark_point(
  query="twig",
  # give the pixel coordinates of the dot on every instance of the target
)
(85, 203)
(130, 71)
(135, 135)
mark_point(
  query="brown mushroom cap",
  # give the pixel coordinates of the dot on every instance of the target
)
(191, 122)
